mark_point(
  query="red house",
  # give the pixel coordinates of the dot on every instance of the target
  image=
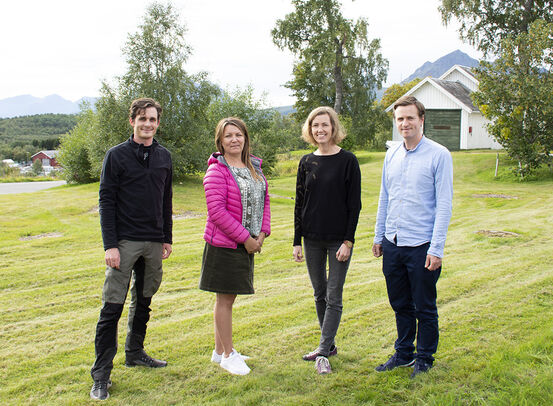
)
(48, 158)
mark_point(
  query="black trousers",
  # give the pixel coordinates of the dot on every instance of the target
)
(106, 330)
(412, 295)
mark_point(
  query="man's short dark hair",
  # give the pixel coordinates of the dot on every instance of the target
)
(139, 105)
(410, 101)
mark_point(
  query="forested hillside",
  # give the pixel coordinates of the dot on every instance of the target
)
(41, 125)
(21, 137)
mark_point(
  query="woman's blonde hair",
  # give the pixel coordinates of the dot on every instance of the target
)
(338, 133)
(219, 131)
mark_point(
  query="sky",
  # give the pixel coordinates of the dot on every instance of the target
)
(67, 47)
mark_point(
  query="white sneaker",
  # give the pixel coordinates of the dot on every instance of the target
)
(235, 364)
(216, 358)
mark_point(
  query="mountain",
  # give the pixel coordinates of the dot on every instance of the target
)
(27, 105)
(437, 68)
(440, 66)
(285, 110)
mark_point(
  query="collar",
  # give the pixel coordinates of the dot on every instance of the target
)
(421, 142)
(138, 149)
(136, 145)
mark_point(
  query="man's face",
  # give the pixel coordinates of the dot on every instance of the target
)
(145, 125)
(408, 122)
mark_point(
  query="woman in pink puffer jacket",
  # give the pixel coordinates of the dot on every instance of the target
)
(224, 205)
(238, 220)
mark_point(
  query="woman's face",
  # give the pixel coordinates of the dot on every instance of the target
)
(321, 129)
(233, 140)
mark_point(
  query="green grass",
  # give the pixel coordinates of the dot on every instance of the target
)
(495, 300)
(12, 179)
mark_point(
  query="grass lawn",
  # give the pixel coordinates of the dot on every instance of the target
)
(495, 299)
(13, 179)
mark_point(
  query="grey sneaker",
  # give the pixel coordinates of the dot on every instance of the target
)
(394, 362)
(99, 390)
(322, 365)
(312, 356)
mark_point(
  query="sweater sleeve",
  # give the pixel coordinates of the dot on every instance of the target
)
(300, 195)
(168, 208)
(216, 196)
(353, 198)
(109, 188)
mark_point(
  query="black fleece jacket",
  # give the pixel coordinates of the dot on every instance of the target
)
(136, 194)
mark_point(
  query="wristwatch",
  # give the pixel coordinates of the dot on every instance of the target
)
(348, 244)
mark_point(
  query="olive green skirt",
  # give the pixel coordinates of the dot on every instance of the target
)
(227, 270)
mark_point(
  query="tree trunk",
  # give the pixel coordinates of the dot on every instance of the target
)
(528, 16)
(338, 80)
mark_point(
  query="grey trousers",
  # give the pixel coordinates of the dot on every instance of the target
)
(117, 281)
(327, 288)
(145, 257)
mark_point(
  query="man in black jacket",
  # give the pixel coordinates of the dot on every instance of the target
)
(135, 216)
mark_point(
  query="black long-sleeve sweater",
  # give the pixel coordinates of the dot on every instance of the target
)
(328, 197)
(136, 194)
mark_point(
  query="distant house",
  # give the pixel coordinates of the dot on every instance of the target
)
(48, 158)
(451, 118)
(9, 162)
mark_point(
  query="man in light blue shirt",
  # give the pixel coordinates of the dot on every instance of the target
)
(414, 210)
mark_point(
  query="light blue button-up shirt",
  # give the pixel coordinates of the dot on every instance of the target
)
(415, 196)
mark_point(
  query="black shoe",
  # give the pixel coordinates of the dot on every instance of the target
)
(99, 390)
(420, 367)
(394, 362)
(144, 360)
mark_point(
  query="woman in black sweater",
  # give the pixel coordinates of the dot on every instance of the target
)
(328, 202)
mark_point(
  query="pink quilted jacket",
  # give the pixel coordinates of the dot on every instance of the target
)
(224, 205)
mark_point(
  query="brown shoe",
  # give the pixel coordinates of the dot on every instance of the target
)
(312, 356)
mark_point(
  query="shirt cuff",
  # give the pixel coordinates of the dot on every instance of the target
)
(437, 252)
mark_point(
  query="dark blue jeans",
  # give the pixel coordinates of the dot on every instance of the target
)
(327, 289)
(412, 294)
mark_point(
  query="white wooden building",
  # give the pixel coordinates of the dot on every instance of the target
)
(451, 118)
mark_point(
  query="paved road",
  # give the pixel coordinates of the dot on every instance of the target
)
(27, 187)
